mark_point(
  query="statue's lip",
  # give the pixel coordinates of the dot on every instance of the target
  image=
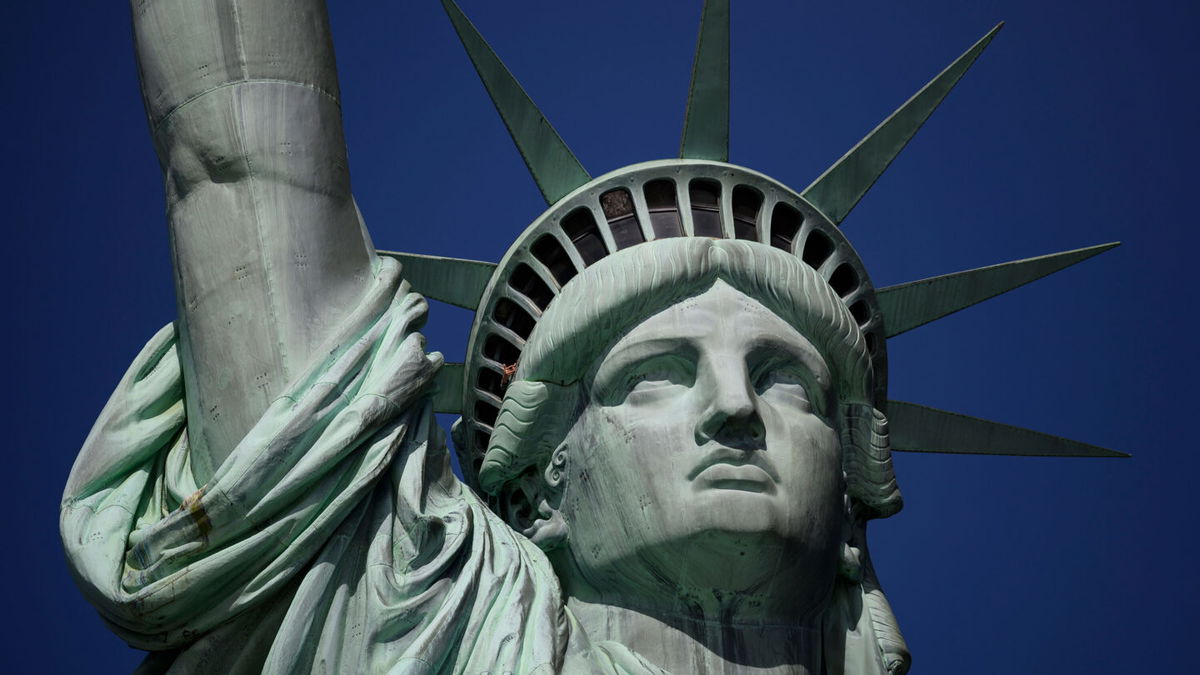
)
(738, 469)
(746, 478)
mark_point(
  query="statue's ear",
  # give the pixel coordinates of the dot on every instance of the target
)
(516, 499)
(544, 526)
(549, 531)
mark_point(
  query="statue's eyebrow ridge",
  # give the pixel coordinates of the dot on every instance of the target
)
(623, 356)
(806, 354)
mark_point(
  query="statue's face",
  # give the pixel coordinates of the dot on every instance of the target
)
(707, 449)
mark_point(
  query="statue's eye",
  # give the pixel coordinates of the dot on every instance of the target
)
(780, 375)
(659, 372)
(787, 384)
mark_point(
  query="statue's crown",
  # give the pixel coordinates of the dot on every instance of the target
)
(702, 195)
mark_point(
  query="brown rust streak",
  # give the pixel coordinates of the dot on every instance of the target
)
(196, 510)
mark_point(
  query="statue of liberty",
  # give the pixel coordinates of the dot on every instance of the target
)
(674, 417)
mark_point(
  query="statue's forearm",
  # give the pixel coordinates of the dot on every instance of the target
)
(188, 47)
(269, 254)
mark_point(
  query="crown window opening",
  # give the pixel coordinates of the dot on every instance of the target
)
(706, 208)
(622, 218)
(490, 381)
(663, 206)
(581, 227)
(817, 249)
(486, 413)
(746, 203)
(526, 282)
(785, 223)
(503, 352)
(510, 315)
(844, 280)
(481, 442)
(860, 312)
(550, 253)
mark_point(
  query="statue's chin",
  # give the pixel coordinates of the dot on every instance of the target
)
(735, 517)
(725, 561)
(732, 557)
(730, 536)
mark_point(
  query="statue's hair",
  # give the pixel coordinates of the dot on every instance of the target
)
(867, 460)
(888, 639)
(533, 420)
(872, 492)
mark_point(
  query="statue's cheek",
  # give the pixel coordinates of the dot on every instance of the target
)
(653, 415)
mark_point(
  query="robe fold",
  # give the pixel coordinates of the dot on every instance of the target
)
(334, 539)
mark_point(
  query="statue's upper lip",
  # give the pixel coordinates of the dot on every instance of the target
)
(733, 457)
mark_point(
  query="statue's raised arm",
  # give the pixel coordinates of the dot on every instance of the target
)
(269, 252)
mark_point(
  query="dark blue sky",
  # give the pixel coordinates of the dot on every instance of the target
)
(1076, 127)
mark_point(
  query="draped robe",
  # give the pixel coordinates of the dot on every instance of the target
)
(334, 539)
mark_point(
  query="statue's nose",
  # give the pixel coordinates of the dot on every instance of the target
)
(731, 416)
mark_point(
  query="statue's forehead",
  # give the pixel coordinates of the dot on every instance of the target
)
(712, 306)
(720, 311)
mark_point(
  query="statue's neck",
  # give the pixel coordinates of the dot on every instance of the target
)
(724, 618)
(689, 644)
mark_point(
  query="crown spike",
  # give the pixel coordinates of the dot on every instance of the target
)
(706, 121)
(456, 281)
(917, 428)
(554, 168)
(916, 303)
(838, 190)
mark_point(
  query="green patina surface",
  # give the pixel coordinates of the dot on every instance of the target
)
(907, 306)
(837, 190)
(706, 122)
(550, 161)
(454, 281)
(920, 428)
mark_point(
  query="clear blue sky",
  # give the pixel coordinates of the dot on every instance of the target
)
(1076, 127)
